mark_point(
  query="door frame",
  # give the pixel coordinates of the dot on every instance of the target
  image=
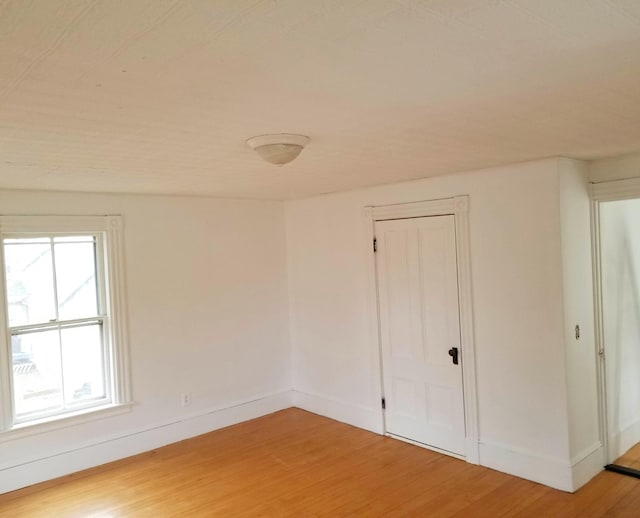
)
(458, 207)
(614, 190)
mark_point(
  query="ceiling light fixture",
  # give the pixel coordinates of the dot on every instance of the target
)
(280, 148)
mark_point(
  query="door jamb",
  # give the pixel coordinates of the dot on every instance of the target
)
(614, 190)
(457, 206)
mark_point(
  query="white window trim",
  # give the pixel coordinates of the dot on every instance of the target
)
(111, 227)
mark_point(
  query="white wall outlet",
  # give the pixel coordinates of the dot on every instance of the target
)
(186, 399)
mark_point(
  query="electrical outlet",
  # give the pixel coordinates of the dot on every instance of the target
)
(186, 399)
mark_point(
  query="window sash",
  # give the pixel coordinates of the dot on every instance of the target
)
(57, 324)
(49, 238)
(67, 407)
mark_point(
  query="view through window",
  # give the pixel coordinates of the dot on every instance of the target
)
(56, 324)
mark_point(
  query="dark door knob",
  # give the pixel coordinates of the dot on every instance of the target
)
(453, 352)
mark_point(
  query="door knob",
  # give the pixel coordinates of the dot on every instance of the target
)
(453, 352)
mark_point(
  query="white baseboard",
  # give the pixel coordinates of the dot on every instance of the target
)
(551, 472)
(342, 411)
(587, 465)
(88, 456)
(545, 470)
(548, 471)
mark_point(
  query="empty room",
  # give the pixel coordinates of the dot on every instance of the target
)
(319, 258)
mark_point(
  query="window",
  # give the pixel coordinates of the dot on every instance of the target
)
(64, 345)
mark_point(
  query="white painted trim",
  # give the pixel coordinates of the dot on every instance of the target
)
(615, 168)
(6, 401)
(57, 422)
(599, 327)
(84, 456)
(457, 206)
(342, 411)
(57, 223)
(604, 192)
(616, 190)
(527, 464)
(118, 308)
(461, 204)
(110, 228)
(373, 313)
(442, 207)
(588, 466)
(586, 452)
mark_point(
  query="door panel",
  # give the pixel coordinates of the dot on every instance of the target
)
(419, 323)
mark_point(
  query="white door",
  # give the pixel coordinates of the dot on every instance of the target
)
(420, 330)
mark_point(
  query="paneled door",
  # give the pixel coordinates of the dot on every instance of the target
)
(420, 331)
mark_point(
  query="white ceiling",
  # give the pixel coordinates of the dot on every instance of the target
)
(156, 96)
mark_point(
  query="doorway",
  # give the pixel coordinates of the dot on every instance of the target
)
(617, 224)
(421, 268)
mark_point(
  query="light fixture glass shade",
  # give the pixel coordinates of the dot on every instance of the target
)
(278, 149)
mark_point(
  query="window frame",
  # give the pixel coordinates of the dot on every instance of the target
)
(116, 352)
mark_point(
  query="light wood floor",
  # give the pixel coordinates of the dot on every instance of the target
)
(293, 463)
(631, 458)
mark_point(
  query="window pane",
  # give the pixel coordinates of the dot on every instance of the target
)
(37, 380)
(76, 278)
(29, 274)
(83, 363)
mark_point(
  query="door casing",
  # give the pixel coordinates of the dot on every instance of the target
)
(457, 206)
(614, 190)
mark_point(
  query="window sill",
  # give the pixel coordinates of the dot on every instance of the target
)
(51, 424)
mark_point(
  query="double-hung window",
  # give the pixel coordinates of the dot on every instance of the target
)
(64, 351)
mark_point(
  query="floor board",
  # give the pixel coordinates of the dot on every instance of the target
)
(631, 458)
(293, 463)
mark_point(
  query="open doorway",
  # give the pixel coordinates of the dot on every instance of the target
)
(618, 227)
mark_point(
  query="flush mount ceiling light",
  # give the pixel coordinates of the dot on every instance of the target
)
(280, 148)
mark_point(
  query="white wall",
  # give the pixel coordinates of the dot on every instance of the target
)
(207, 301)
(620, 235)
(208, 313)
(614, 168)
(587, 456)
(517, 282)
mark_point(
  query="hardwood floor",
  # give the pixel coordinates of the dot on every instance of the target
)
(631, 458)
(293, 463)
